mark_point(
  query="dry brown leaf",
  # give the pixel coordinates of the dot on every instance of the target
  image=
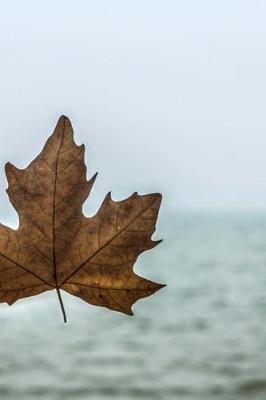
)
(57, 247)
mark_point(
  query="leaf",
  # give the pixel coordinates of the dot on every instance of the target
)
(57, 247)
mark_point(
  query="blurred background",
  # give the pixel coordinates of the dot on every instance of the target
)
(167, 97)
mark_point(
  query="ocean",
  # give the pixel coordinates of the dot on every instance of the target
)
(201, 337)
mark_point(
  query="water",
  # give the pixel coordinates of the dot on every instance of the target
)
(201, 337)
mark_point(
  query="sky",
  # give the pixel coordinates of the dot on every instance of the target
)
(167, 96)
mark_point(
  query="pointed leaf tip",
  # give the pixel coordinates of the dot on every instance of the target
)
(93, 178)
(63, 118)
(109, 196)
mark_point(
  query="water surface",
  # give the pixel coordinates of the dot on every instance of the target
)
(201, 337)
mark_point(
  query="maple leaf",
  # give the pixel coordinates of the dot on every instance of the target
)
(56, 247)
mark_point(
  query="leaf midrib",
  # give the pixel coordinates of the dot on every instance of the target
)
(54, 203)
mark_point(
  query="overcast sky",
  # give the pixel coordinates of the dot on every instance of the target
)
(167, 96)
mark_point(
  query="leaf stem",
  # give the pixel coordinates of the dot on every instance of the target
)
(61, 304)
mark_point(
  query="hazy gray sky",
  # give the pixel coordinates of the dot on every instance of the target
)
(167, 96)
